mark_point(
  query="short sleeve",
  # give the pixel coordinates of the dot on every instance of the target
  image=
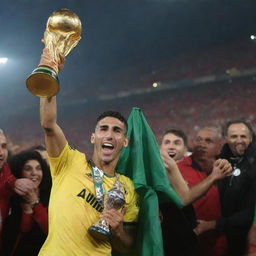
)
(58, 164)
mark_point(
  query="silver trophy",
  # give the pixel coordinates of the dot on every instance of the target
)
(114, 198)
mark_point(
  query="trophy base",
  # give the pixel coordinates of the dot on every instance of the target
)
(43, 82)
(99, 233)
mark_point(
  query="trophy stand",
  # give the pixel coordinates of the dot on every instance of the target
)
(43, 82)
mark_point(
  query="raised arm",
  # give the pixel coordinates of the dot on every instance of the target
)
(175, 178)
(221, 169)
(54, 137)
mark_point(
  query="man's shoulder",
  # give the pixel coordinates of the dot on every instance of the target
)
(6, 171)
(73, 149)
(127, 183)
(68, 157)
(188, 169)
(76, 152)
(185, 162)
(251, 153)
(125, 179)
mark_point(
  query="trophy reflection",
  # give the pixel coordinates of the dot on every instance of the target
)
(62, 34)
(114, 198)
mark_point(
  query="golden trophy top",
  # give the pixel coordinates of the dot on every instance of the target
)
(63, 32)
(65, 22)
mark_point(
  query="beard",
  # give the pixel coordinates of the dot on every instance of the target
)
(239, 149)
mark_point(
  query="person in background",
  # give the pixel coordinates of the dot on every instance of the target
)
(175, 143)
(202, 170)
(27, 225)
(8, 184)
(79, 184)
(179, 224)
(237, 192)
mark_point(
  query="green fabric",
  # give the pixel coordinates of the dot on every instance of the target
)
(254, 219)
(141, 161)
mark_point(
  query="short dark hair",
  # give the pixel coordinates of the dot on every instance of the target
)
(238, 121)
(178, 133)
(115, 114)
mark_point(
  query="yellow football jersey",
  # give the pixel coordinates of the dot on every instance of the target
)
(73, 207)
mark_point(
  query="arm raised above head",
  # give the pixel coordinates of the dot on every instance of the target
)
(55, 139)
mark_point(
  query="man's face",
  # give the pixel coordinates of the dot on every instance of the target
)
(3, 150)
(174, 146)
(206, 145)
(238, 138)
(109, 138)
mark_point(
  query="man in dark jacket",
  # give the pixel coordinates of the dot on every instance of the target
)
(177, 224)
(237, 192)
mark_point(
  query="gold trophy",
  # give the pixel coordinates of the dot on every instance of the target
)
(63, 32)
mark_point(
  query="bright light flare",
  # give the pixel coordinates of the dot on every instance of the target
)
(3, 60)
(253, 37)
(156, 84)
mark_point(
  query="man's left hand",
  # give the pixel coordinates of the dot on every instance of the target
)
(221, 169)
(115, 220)
(204, 226)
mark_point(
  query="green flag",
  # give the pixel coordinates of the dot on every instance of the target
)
(254, 219)
(141, 161)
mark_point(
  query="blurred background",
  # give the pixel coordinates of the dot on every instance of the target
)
(186, 64)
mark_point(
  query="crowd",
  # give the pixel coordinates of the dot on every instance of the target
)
(60, 201)
(187, 108)
(219, 200)
(214, 60)
(225, 212)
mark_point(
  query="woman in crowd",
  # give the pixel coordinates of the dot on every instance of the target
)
(27, 225)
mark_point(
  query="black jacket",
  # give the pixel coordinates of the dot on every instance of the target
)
(237, 194)
(177, 229)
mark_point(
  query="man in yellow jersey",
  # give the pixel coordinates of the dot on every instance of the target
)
(74, 204)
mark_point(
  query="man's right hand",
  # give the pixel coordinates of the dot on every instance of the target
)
(169, 162)
(221, 169)
(56, 63)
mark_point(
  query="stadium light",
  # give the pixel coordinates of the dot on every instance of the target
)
(253, 37)
(3, 60)
(156, 84)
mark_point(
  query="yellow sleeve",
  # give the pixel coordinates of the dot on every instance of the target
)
(132, 209)
(62, 162)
